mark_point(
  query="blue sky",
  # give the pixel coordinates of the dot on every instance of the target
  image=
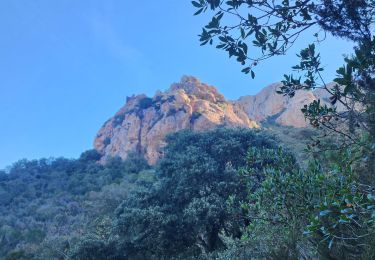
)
(66, 66)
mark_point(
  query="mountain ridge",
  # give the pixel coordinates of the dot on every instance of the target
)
(142, 124)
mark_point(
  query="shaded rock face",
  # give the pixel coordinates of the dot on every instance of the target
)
(142, 124)
(282, 109)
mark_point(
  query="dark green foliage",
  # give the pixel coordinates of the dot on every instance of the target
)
(19, 255)
(117, 120)
(274, 209)
(90, 156)
(145, 103)
(195, 115)
(273, 28)
(296, 213)
(187, 210)
(353, 93)
(91, 249)
(347, 18)
(107, 141)
(338, 192)
(343, 221)
(171, 112)
(170, 99)
(135, 163)
(46, 204)
(158, 99)
(225, 146)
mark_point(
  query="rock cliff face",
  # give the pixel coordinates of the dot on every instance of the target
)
(142, 124)
(267, 104)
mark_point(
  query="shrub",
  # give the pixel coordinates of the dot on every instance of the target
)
(194, 116)
(118, 119)
(106, 141)
(172, 111)
(321, 205)
(19, 255)
(90, 156)
(145, 103)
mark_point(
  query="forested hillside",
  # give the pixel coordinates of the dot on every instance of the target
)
(219, 194)
(182, 207)
(46, 204)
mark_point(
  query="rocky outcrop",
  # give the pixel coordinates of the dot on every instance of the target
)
(267, 105)
(143, 122)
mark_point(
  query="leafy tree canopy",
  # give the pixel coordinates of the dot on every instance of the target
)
(187, 210)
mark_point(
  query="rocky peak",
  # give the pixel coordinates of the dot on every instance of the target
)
(143, 122)
(192, 86)
(267, 105)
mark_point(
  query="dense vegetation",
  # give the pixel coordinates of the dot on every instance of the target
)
(46, 204)
(186, 211)
(186, 207)
(222, 194)
(252, 31)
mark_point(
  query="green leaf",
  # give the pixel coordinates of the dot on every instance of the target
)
(220, 16)
(246, 70)
(324, 212)
(199, 11)
(244, 46)
(196, 4)
(243, 34)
